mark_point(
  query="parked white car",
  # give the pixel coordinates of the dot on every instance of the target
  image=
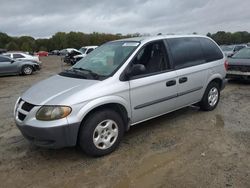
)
(22, 56)
(86, 50)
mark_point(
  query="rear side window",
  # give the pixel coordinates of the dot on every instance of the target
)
(186, 52)
(17, 56)
(211, 50)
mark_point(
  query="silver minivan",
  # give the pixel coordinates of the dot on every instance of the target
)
(120, 84)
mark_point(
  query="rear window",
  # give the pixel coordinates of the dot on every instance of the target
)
(186, 52)
(211, 50)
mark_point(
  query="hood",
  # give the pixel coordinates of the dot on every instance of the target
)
(56, 89)
(235, 61)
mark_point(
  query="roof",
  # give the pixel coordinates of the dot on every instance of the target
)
(158, 37)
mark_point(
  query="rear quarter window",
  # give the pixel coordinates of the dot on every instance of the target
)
(186, 52)
(211, 50)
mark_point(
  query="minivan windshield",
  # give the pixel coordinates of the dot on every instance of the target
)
(106, 59)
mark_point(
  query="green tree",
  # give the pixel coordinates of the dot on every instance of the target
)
(12, 46)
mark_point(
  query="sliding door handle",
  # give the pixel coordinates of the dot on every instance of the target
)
(171, 83)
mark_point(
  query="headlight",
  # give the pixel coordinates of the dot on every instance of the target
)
(49, 113)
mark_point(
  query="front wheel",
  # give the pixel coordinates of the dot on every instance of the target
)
(101, 133)
(27, 70)
(211, 97)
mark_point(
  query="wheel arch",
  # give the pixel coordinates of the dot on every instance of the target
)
(115, 103)
(216, 78)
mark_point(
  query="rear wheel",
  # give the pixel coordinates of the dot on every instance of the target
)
(211, 97)
(101, 133)
(27, 70)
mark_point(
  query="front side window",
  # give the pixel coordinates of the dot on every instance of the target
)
(154, 58)
(83, 50)
(186, 52)
(8, 55)
(89, 50)
(15, 56)
(4, 59)
(105, 59)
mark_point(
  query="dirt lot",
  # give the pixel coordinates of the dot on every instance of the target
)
(187, 148)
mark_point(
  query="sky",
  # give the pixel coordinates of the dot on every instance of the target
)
(42, 19)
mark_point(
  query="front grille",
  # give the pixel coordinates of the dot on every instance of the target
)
(23, 108)
(27, 106)
(239, 68)
(21, 116)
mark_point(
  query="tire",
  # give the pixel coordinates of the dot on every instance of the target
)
(101, 133)
(27, 70)
(211, 97)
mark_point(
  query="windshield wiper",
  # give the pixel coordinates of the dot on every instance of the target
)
(93, 74)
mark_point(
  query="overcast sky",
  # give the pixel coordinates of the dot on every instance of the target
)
(40, 18)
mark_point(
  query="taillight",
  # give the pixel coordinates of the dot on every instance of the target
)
(226, 65)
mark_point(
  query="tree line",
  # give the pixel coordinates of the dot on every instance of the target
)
(58, 41)
(76, 40)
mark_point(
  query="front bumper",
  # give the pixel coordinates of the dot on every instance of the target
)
(51, 137)
(51, 134)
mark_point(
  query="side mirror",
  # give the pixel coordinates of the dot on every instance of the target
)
(12, 61)
(136, 69)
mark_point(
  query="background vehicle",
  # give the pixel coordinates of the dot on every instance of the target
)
(22, 56)
(120, 84)
(86, 50)
(54, 52)
(239, 65)
(3, 51)
(69, 57)
(76, 55)
(42, 53)
(10, 66)
(63, 52)
(230, 50)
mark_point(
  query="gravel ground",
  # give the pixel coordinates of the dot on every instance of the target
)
(186, 148)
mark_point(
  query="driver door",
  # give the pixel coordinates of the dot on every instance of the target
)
(154, 92)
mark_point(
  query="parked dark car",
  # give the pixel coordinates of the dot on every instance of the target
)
(9, 66)
(230, 50)
(239, 65)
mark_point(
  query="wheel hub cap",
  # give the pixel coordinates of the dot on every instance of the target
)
(213, 96)
(105, 134)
